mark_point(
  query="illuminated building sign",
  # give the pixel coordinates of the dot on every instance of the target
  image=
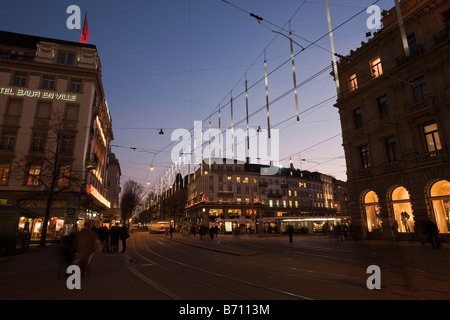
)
(94, 192)
(37, 94)
(101, 130)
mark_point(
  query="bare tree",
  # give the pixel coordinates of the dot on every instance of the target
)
(48, 166)
(130, 198)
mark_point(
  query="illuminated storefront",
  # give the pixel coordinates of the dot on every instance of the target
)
(440, 199)
(403, 213)
(372, 211)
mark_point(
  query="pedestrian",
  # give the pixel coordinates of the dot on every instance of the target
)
(104, 237)
(211, 233)
(114, 235)
(170, 231)
(85, 247)
(432, 234)
(394, 230)
(124, 235)
(339, 233)
(290, 231)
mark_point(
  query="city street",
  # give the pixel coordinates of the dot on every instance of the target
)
(156, 267)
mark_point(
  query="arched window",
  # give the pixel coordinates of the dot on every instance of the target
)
(403, 213)
(440, 198)
(372, 210)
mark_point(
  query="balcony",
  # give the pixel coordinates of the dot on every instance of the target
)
(431, 157)
(414, 52)
(364, 173)
(442, 36)
(391, 167)
(420, 106)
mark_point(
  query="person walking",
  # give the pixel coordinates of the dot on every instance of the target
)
(433, 234)
(124, 235)
(290, 231)
(85, 246)
(394, 230)
(114, 235)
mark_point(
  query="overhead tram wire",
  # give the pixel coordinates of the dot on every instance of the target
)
(278, 67)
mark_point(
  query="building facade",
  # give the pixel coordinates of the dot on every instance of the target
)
(394, 107)
(55, 133)
(237, 195)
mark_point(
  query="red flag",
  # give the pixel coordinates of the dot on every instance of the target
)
(85, 33)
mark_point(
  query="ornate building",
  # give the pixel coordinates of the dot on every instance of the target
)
(394, 106)
(55, 133)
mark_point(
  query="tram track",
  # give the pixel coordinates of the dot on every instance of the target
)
(202, 271)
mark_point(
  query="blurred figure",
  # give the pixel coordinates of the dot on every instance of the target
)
(124, 235)
(114, 235)
(290, 230)
(85, 246)
(433, 234)
(104, 237)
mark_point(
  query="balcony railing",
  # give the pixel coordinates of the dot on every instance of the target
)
(430, 157)
(442, 36)
(413, 53)
(420, 106)
(391, 167)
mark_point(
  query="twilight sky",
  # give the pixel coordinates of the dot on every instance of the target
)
(168, 63)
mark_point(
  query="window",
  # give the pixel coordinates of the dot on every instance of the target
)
(357, 114)
(420, 88)
(33, 175)
(65, 57)
(364, 156)
(64, 175)
(352, 82)
(48, 83)
(432, 137)
(375, 67)
(43, 110)
(38, 141)
(8, 140)
(67, 145)
(71, 112)
(383, 106)
(238, 179)
(392, 150)
(4, 173)
(14, 108)
(246, 180)
(20, 79)
(75, 85)
(414, 48)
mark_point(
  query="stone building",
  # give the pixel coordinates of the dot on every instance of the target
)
(394, 106)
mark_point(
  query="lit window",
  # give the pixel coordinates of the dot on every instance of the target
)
(432, 137)
(33, 175)
(375, 66)
(4, 173)
(352, 82)
(64, 174)
(238, 179)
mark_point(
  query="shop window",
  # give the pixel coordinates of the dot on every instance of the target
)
(373, 212)
(432, 137)
(352, 82)
(403, 213)
(376, 68)
(440, 198)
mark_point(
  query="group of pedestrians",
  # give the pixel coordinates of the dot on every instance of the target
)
(110, 239)
(79, 247)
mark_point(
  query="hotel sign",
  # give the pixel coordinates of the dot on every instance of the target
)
(18, 92)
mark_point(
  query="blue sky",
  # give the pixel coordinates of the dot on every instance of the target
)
(168, 63)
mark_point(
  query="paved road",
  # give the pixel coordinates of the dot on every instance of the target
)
(156, 267)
